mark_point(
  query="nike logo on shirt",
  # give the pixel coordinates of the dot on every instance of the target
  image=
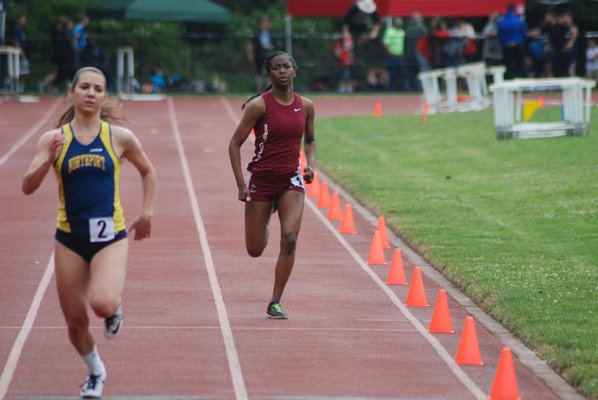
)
(296, 109)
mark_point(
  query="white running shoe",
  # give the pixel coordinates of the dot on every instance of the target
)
(113, 324)
(93, 386)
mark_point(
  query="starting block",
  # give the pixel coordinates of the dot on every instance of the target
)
(508, 104)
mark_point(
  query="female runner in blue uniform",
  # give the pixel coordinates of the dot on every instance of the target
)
(281, 119)
(85, 152)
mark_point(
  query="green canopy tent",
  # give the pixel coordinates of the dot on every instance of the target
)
(182, 11)
(204, 11)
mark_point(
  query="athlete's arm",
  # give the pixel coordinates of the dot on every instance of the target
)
(46, 151)
(309, 140)
(132, 150)
(253, 112)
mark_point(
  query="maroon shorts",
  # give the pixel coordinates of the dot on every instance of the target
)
(268, 187)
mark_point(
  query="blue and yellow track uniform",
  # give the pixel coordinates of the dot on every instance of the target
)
(88, 188)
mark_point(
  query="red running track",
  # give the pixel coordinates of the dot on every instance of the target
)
(195, 302)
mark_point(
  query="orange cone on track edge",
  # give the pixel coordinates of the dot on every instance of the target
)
(347, 222)
(424, 114)
(441, 318)
(378, 109)
(376, 251)
(468, 352)
(417, 295)
(505, 382)
(303, 160)
(383, 232)
(314, 187)
(324, 198)
(334, 212)
(396, 273)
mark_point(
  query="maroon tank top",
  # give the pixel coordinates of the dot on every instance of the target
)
(278, 137)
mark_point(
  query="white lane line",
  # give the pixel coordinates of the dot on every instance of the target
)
(30, 132)
(227, 335)
(17, 347)
(446, 357)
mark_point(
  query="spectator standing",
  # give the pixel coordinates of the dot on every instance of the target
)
(362, 21)
(413, 60)
(470, 46)
(260, 48)
(343, 50)
(491, 49)
(561, 39)
(394, 43)
(63, 53)
(574, 47)
(20, 40)
(80, 35)
(93, 55)
(592, 59)
(512, 33)
(432, 46)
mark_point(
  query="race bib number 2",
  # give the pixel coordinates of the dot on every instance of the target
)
(101, 229)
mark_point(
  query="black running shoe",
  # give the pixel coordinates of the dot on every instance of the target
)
(274, 311)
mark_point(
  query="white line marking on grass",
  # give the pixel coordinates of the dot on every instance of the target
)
(30, 133)
(17, 347)
(227, 335)
(446, 357)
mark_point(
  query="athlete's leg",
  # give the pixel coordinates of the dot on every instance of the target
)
(72, 282)
(108, 271)
(290, 212)
(257, 219)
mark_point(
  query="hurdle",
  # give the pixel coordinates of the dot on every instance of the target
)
(125, 76)
(125, 80)
(576, 104)
(475, 77)
(13, 69)
(13, 72)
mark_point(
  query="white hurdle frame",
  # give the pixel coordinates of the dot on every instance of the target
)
(13, 67)
(475, 77)
(125, 77)
(508, 103)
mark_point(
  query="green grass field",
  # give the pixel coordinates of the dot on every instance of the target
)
(513, 223)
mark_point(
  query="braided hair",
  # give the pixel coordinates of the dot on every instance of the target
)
(266, 70)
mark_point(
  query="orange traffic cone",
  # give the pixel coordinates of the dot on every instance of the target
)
(376, 251)
(303, 160)
(334, 212)
(396, 274)
(378, 109)
(324, 198)
(424, 114)
(468, 352)
(505, 382)
(314, 187)
(383, 233)
(417, 295)
(441, 318)
(347, 223)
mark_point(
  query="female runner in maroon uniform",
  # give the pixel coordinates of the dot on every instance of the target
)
(280, 119)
